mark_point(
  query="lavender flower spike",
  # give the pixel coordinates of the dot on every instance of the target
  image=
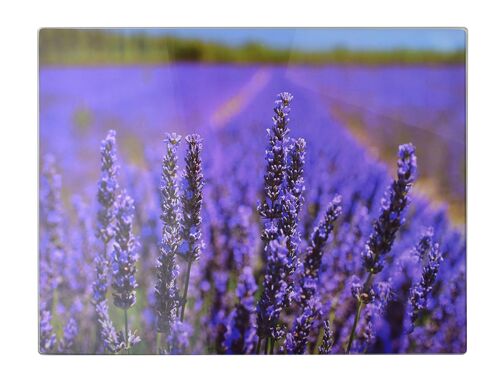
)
(425, 243)
(167, 294)
(47, 336)
(191, 209)
(106, 197)
(271, 209)
(296, 341)
(314, 253)
(192, 198)
(385, 227)
(293, 201)
(274, 292)
(69, 334)
(107, 188)
(178, 340)
(419, 293)
(241, 330)
(295, 172)
(112, 341)
(393, 206)
(124, 261)
(124, 255)
(327, 341)
(51, 247)
(310, 307)
(274, 296)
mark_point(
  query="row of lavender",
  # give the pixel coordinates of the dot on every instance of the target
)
(336, 272)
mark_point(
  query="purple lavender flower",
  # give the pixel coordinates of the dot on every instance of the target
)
(191, 210)
(192, 199)
(241, 238)
(293, 201)
(278, 212)
(178, 339)
(271, 208)
(430, 256)
(114, 341)
(47, 337)
(100, 285)
(365, 330)
(218, 314)
(167, 294)
(391, 217)
(327, 340)
(296, 340)
(124, 255)
(385, 227)
(52, 251)
(274, 292)
(314, 253)
(425, 243)
(241, 329)
(124, 262)
(51, 247)
(83, 248)
(295, 172)
(69, 334)
(359, 292)
(111, 339)
(107, 188)
(310, 307)
(106, 213)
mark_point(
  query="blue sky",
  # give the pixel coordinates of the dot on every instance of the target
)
(328, 38)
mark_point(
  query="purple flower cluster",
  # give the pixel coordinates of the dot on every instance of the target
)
(52, 246)
(47, 337)
(191, 211)
(430, 256)
(381, 240)
(106, 196)
(123, 266)
(114, 341)
(107, 188)
(192, 198)
(273, 293)
(241, 334)
(166, 291)
(391, 217)
(310, 307)
(284, 187)
(315, 251)
(326, 340)
(331, 273)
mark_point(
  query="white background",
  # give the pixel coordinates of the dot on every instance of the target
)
(19, 23)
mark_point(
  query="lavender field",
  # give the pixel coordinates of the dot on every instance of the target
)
(252, 209)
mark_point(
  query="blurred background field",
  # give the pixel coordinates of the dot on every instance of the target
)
(144, 83)
(244, 45)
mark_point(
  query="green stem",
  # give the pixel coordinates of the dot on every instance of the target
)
(158, 343)
(315, 348)
(366, 287)
(258, 345)
(184, 295)
(271, 351)
(126, 329)
(353, 330)
(266, 348)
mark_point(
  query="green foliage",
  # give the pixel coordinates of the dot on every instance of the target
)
(99, 46)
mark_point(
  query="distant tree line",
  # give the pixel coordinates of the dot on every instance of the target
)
(101, 46)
